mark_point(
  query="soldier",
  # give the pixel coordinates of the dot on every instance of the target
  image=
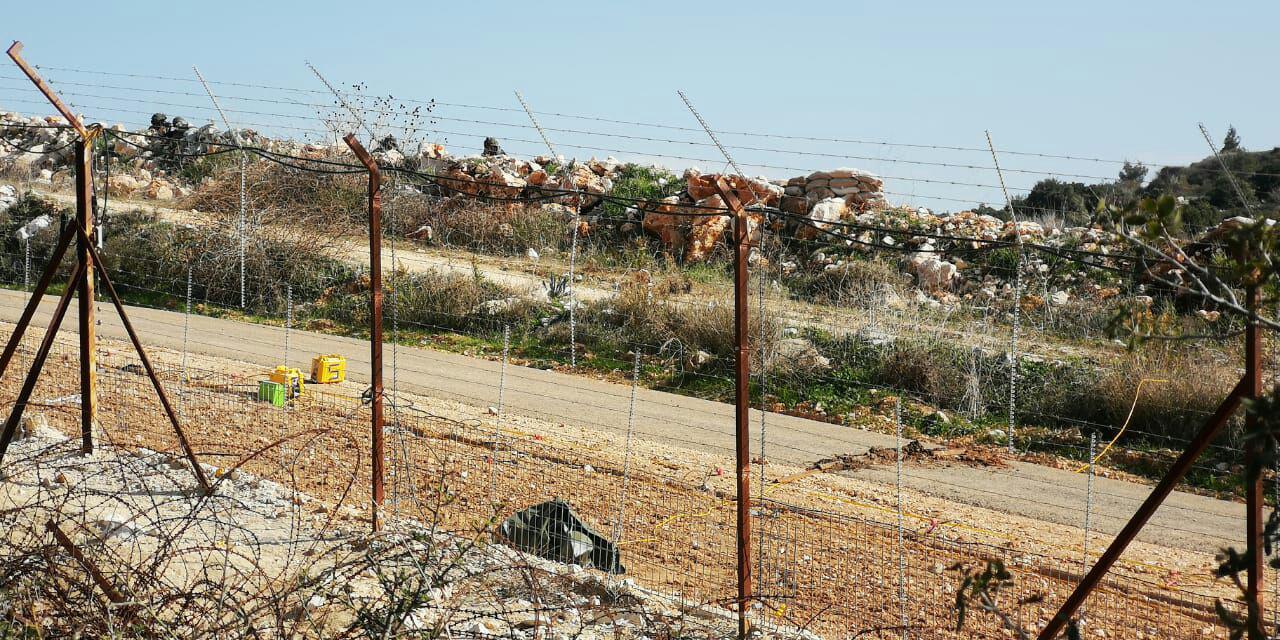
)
(157, 133)
(175, 143)
(492, 148)
(159, 125)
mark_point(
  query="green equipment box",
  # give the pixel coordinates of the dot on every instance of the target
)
(272, 392)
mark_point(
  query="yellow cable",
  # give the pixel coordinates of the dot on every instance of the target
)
(1127, 419)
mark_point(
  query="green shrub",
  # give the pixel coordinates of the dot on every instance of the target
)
(635, 181)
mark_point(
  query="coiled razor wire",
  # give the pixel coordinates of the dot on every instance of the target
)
(573, 245)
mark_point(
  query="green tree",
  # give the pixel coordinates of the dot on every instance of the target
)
(1074, 201)
(1134, 172)
(1232, 141)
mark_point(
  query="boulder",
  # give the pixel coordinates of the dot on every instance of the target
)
(122, 186)
(501, 184)
(158, 190)
(497, 306)
(537, 178)
(821, 217)
(798, 354)
(455, 179)
(705, 231)
(933, 274)
(34, 425)
(663, 221)
(794, 204)
(701, 187)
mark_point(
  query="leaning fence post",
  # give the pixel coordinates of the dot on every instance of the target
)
(572, 288)
(626, 456)
(1014, 359)
(375, 320)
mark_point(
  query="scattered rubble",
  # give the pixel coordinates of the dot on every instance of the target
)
(129, 507)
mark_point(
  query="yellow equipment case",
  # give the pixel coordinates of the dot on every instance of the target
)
(330, 369)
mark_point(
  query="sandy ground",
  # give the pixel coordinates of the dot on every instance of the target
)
(1056, 496)
(827, 551)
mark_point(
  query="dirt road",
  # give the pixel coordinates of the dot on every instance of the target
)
(1186, 521)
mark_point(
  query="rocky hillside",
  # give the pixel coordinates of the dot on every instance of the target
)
(828, 220)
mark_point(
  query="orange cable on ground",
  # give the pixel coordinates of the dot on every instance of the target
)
(1127, 419)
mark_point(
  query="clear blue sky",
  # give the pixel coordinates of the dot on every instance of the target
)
(1109, 79)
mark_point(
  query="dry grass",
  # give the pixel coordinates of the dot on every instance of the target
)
(652, 316)
(491, 227)
(856, 283)
(1183, 384)
(325, 204)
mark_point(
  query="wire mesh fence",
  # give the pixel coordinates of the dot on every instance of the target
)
(821, 567)
(509, 286)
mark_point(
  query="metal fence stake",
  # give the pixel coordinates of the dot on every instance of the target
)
(375, 321)
(733, 201)
(902, 553)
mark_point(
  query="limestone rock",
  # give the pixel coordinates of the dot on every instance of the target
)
(664, 222)
(501, 184)
(122, 186)
(933, 274)
(798, 354)
(158, 190)
(821, 218)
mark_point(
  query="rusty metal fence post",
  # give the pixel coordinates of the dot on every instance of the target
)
(375, 323)
(742, 393)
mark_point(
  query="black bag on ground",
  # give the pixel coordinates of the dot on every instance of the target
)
(553, 531)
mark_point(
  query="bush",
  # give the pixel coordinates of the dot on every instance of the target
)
(150, 257)
(428, 301)
(648, 316)
(853, 284)
(930, 370)
(28, 207)
(466, 223)
(639, 182)
(324, 202)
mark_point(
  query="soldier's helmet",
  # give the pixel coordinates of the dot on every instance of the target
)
(159, 120)
(179, 123)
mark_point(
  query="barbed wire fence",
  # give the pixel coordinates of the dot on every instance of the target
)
(804, 544)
